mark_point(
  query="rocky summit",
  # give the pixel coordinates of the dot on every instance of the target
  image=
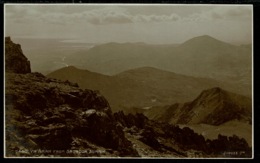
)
(51, 115)
(15, 60)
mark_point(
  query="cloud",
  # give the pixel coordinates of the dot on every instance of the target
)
(105, 16)
(121, 23)
(156, 18)
(99, 16)
(239, 12)
(112, 16)
(224, 13)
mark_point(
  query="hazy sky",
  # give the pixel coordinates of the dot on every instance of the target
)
(130, 23)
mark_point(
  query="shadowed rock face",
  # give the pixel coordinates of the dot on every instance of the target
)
(45, 113)
(172, 140)
(15, 61)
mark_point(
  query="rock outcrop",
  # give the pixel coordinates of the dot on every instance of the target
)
(165, 140)
(15, 60)
(47, 114)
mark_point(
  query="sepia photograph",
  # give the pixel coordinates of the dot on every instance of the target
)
(128, 81)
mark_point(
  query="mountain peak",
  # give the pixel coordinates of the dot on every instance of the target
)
(215, 90)
(8, 39)
(146, 70)
(204, 37)
(213, 93)
(205, 41)
(216, 106)
(71, 67)
(15, 60)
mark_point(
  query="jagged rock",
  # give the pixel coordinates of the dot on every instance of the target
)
(170, 139)
(149, 138)
(15, 61)
(213, 106)
(138, 120)
(53, 113)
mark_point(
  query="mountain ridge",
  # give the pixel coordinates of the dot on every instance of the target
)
(142, 87)
(214, 106)
(203, 56)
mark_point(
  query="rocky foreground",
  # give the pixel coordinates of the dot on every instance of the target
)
(45, 114)
(47, 117)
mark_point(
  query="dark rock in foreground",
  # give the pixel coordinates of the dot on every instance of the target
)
(165, 140)
(60, 119)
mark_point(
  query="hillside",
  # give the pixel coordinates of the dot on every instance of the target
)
(91, 79)
(215, 111)
(142, 87)
(112, 58)
(213, 106)
(201, 56)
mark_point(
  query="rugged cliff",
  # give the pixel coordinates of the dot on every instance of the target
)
(46, 114)
(15, 61)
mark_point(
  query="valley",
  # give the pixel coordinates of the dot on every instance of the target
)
(144, 87)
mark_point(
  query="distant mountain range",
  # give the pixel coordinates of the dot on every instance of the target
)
(143, 87)
(201, 56)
